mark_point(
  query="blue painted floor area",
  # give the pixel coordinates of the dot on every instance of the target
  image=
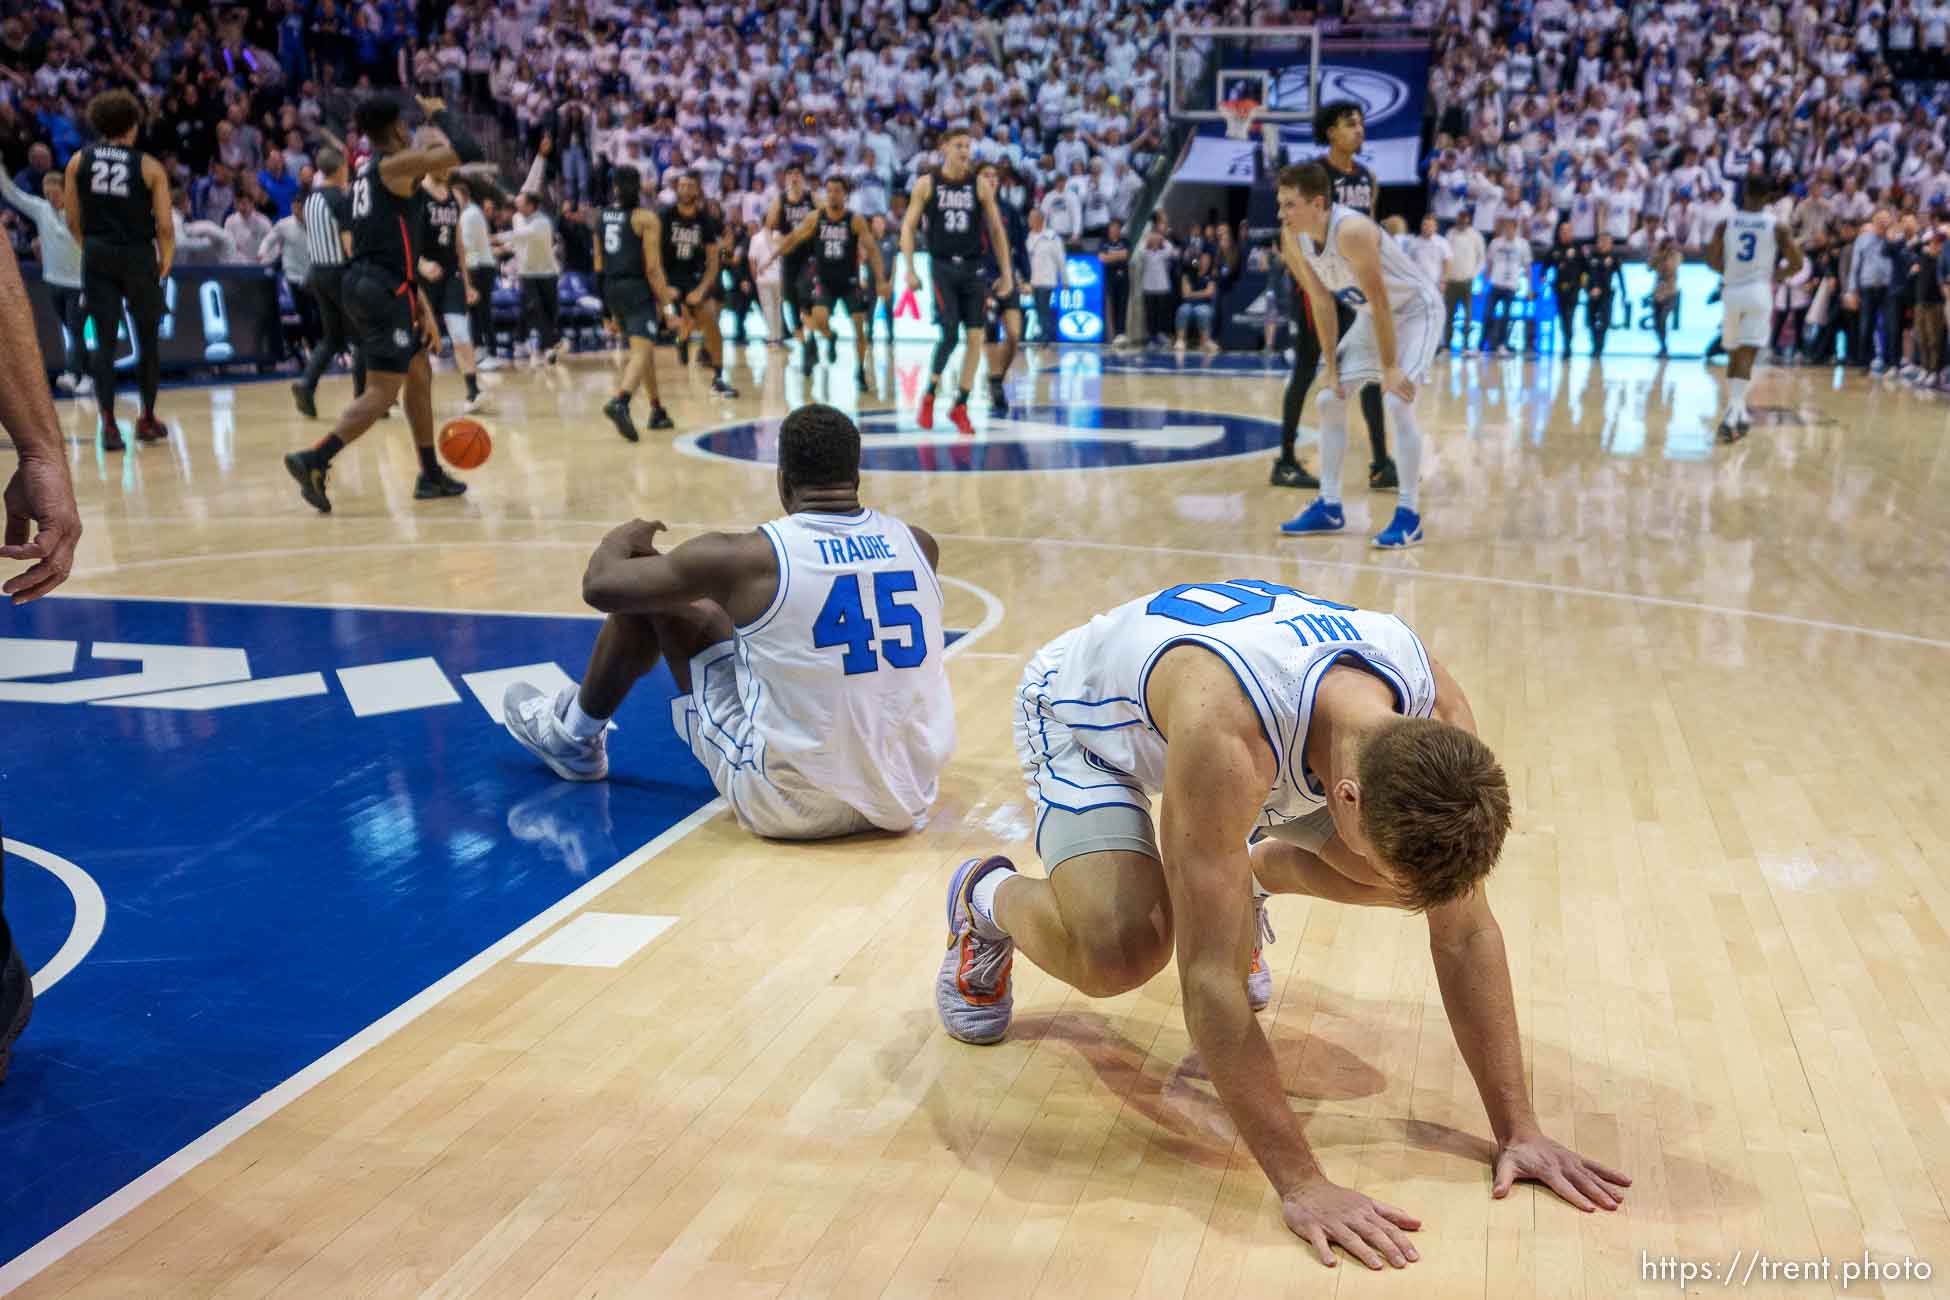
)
(278, 874)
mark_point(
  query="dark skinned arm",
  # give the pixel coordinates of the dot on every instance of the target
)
(627, 575)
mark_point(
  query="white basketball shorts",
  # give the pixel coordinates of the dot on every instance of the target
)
(1418, 333)
(1748, 319)
(715, 721)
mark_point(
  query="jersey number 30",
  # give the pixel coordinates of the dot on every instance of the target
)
(843, 621)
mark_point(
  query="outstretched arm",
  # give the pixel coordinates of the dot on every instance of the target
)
(800, 235)
(1218, 770)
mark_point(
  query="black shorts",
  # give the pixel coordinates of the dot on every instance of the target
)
(997, 306)
(960, 294)
(449, 293)
(380, 309)
(835, 291)
(686, 281)
(632, 304)
(798, 282)
(127, 269)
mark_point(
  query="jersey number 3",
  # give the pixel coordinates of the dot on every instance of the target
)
(1747, 241)
(843, 621)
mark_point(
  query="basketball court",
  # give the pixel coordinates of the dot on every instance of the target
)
(345, 996)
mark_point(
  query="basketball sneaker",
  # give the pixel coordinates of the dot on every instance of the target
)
(618, 411)
(536, 721)
(310, 473)
(1316, 518)
(721, 388)
(307, 404)
(972, 992)
(958, 416)
(1259, 980)
(16, 1006)
(111, 435)
(925, 417)
(1382, 476)
(1291, 473)
(660, 418)
(998, 399)
(1403, 531)
(432, 487)
(149, 429)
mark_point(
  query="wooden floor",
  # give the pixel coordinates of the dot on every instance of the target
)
(1719, 680)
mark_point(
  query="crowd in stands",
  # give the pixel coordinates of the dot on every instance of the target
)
(1070, 97)
(1641, 121)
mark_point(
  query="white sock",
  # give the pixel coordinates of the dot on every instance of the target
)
(1333, 445)
(579, 724)
(1408, 449)
(1737, 397)
(982, 897)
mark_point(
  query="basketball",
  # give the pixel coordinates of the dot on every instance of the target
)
(465, 443)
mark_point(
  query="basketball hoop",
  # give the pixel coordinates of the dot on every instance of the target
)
(1239, 115)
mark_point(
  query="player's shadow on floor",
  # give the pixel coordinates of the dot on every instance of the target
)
(1187, 1120)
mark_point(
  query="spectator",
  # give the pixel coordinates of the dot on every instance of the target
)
(1198, 294)
(247, 228)
(1046, 271)
(1115, 255)
(277, 184)
(531, 238)
(1154, 278)
(1466, 256)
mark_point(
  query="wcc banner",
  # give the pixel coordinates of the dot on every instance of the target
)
(1388, 79)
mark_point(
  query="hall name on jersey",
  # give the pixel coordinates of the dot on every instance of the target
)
(855, 550)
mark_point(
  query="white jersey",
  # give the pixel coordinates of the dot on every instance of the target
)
(1751, 249)
(843, 677)
(1409, 290)
(1278, 641)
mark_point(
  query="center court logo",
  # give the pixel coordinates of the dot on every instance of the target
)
(1030, 438)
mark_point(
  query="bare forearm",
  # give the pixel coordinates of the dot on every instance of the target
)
(1241, 1064)
(1474, 975)
(1384, 330)
(26, 409)
(1327, 325)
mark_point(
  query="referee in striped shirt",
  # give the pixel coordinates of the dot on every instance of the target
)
(327, 211)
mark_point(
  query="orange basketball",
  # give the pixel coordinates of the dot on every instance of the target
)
(465, 443)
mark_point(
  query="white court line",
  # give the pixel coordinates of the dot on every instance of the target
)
(1290, 551)
(31, 1262)
(90, 915)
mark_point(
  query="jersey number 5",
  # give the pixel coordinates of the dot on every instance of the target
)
(843, 621)
(612, 240)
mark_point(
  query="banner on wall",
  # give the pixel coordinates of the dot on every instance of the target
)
(1693, 325)
(1388, 79)
(213, 315)
(1077, 307)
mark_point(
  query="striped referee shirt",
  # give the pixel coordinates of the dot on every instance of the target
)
(322, 227)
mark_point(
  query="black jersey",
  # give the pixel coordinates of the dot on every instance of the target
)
(439, 238)
(1016, 226)
(837, 246)
(116, 206)
(382, 225)
(1354, 188)
(954, 221)
(792, 214)
(687, 240)
(622, 246)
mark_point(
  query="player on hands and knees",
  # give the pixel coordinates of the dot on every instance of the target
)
(808, 653)
(1004, 304)
(629, 260)
(441, 277)
(1744, 251)
(1331, 736)
(118, 211)
(1336, 254)
(840, 238)
(692, 236)
(957, 205)
(391, 319)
